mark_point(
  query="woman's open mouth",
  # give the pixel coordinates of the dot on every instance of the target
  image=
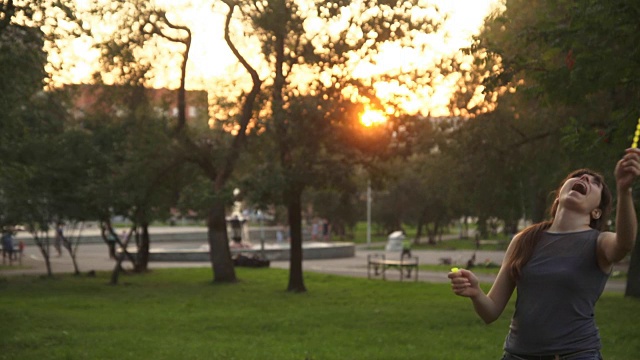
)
(580, 187)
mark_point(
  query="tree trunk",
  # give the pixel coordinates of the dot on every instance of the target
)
(219, 252)
(419, 227)
(142, 259)
(66, 243)
(539, 207)
(482, 226)
(464, 228)
(633, 275)
(115, 274)
(121, 256)
(294, 209)
(43, 245)
(431, 234)
(72, 254)
(510, 227)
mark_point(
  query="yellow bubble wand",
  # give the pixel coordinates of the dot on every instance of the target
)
(636, 136)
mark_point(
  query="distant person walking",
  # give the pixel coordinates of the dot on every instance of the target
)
(21, 247)
(326, 229)
(57, 243)
(406, 248)
(560, 267)
(280, 233)
(7, 245)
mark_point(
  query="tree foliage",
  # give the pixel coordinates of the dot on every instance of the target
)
(30, 125)
(314, 125)
(577, 62)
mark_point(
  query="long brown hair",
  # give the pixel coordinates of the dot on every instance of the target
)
(529, 237)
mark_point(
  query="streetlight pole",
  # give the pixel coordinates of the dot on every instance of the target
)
(260, 218)
(368, 213)
(371, 117)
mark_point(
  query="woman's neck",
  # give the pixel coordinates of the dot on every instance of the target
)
(569, 221)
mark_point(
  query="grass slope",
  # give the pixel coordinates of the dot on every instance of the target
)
(180, 314)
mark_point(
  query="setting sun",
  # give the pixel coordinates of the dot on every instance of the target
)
(372, 117)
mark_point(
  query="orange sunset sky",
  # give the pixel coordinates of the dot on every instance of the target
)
(212, 63)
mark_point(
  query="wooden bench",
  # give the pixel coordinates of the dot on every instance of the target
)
(377, 265)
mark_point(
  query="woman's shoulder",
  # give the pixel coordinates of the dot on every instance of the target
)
(515, 240)
(606, 236)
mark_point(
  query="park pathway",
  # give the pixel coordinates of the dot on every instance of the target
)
(94, 256)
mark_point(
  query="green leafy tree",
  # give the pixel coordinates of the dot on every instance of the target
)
(135, 168)
(32, 195)
(214, 149)
(339, 206)
(26, 125)
(576, 57)
(291, 47)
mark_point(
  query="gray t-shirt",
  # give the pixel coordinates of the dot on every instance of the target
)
(556, 295)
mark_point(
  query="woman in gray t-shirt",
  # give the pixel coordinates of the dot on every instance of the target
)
(559, 268)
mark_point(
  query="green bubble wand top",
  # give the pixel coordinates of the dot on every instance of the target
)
(636, 136)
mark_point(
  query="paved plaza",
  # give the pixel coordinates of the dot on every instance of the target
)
(95, 256)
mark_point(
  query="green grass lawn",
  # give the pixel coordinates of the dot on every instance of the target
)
(180, 314)
(446, 268)
(498, 242)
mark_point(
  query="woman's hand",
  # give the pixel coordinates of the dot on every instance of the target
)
(464, 283)
(488, 307)
(627, 169)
